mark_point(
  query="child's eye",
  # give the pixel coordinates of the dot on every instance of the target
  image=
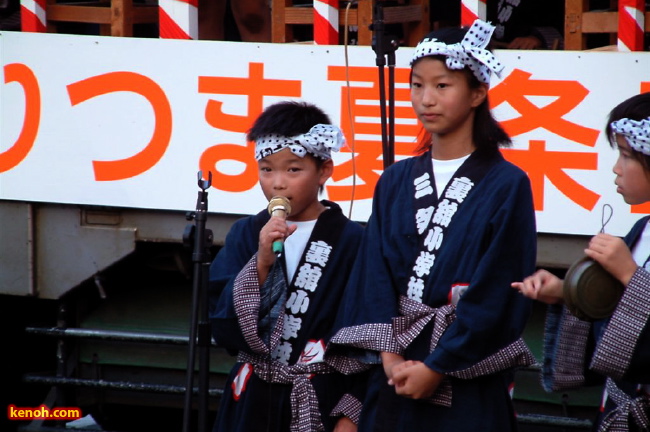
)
(624, 153)
(416, 85)
(442, 85)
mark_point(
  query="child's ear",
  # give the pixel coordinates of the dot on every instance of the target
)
(326, 170)
(479, 94)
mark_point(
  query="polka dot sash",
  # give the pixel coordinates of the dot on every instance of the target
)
(319, 141)
(469, 52)
(636, 133)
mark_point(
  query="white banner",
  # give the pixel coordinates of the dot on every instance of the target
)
(129, 122)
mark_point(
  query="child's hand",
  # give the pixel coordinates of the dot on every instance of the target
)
(415, 380)
(344, 424)
(396, 369)
(275, 229)
(389, 361)
(542, 286)
(613, 254)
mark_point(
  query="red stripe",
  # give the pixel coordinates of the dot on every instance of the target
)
(29, 22)
(324, 33)
(637, 4)
(194, 3)
(467, 17)
(629, 31)
(168, 27)
(331, 3)
(41, 3)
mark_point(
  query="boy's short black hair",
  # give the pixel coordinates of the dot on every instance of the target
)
(287, 118)
(634, 108)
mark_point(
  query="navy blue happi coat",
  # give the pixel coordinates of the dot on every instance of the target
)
(432, 283)
(615, 350)
(282, 380)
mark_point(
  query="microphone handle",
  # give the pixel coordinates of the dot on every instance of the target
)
(278, 245)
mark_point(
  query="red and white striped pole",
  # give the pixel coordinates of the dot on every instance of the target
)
(178, 19)
(631, 23)
(32, 16)
(326, 22)
(471, 10)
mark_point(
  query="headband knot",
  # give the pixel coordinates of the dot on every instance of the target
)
(470, 52)
(635, 132)
(319, 141)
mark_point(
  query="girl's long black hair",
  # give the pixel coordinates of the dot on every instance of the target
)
(487, 133)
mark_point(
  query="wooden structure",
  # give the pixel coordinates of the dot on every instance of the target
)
(579, 21)
(115, 17)
(414, 16)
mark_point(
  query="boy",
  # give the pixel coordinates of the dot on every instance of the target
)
(274, 306)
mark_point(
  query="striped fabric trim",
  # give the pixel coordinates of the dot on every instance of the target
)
(348, 365)
(349, 407)
(627, 408)
(514, 355)
(304, 401)
(565, 346)
(615, 349)
(416, 315)
(246, 301)
(376, 337)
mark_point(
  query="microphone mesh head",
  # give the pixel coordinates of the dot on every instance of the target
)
(279, 203)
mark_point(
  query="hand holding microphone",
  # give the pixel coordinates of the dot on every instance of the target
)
(279, 206)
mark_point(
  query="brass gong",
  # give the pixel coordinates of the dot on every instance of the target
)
(590, 292)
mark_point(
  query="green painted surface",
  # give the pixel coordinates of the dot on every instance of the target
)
(165, 309)
(158, 309)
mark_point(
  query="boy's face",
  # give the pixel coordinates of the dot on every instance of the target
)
(296, 178)
(632, 179)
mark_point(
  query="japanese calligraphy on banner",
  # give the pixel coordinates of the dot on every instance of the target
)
(129, 122)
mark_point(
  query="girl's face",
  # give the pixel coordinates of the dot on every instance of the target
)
(296, 178)
(442, 98)
(632, 179)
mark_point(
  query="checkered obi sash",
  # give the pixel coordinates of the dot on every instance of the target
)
(416, 315)
(305, 414)
(626, 407)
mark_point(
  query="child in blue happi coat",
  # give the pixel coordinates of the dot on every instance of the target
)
(274, 307)
(430, 292)
(616, 348)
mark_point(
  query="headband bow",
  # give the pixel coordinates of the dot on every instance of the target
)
(469, 52)
(319, 141)
(636, 133)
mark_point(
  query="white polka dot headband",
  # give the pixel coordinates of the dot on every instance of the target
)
(469, 52)
(319, 141)
(636, 133)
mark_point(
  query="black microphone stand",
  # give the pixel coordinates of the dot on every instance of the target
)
(385, 46)
(200, 239)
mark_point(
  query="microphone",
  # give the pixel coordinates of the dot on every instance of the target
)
(279, 206)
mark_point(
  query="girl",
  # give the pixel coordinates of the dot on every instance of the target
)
(618, 347)
(430, 291)
(274, 311)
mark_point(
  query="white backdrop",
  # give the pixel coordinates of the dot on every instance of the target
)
(69, 104)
